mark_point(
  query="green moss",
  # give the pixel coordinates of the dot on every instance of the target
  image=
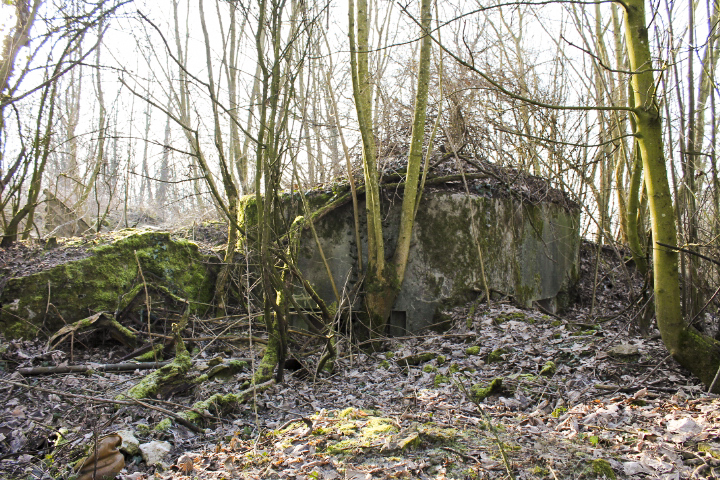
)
(216, 403)
(583, 333)
(702, 352)
(454, 368)
(511, 447)
(441, 359)
(155, 353)
(497, 355)
(549, 369)
(417, 359)
(471, 314)
(347, 428)
(352, 413)
(710, 449)
(376, 426)
(389, 355)
(168, 375)
(472, 350)
(556, 323)
(436, 435)
(385, 364)
(164, 425)
(479, 392)
(440, 379)
(412, 441)
(517, 316)
(599, 468)
(360, 433)
(225, 370)
(429, 368)
(558, 412)
(539, 471)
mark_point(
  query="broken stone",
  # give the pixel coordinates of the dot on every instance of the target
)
(684, 425)
(130, 444)
(155, 452)
(624, 350)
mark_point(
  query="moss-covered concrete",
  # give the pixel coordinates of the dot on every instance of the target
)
(529, 251)
(106, 281)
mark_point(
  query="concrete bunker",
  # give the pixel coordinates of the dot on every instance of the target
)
(524, 233)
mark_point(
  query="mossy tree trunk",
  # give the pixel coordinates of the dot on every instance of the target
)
(19, 37)
(276, 94)
(383, 279)
(698, 353)
(37, 158)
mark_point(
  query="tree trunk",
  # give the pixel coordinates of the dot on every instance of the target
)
(383, 281)
(698, 353)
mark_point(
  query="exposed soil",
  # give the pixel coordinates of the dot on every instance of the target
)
(575, 389)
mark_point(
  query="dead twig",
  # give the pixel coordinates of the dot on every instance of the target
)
(147, 305)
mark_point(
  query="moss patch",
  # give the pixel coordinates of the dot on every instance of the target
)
(549, 369)
(472, 350)
(497, 355)
(599, 468)
(478, 392)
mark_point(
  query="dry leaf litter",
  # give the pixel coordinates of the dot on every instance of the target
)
(581, 396)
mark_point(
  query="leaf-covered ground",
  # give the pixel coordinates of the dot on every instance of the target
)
(579, 396)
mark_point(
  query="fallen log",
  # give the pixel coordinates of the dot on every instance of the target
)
(108, 367)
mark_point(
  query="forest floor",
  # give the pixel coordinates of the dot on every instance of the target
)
(581, 395)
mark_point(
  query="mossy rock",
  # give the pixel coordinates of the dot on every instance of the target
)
(106, 281)
(478, 393)
(168, 376)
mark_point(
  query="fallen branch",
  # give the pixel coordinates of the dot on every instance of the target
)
(110, 367)
(227, 338)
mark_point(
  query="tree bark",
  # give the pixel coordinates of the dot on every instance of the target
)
(700, 354)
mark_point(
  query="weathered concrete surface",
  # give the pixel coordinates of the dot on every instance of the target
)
(109, 280)
(530, 251)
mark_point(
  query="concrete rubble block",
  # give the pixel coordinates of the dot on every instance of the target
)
(155, 452)
(130, 444)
